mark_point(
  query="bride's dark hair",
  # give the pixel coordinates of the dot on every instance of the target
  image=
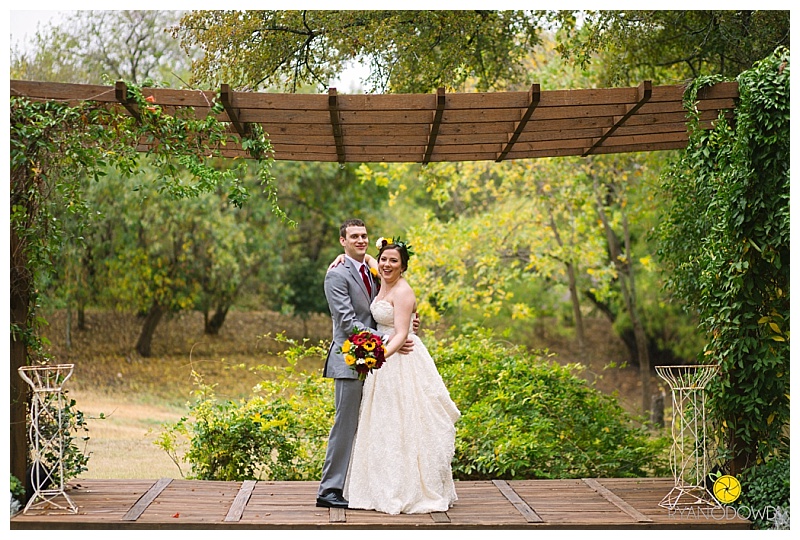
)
(401, 249)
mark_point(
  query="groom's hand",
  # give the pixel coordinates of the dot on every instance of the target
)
(407, 347)
(415, 323)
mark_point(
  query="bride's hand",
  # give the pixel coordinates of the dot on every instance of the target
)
(369, 259)
(336, 262)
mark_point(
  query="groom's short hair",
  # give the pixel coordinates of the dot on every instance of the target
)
(354, 222)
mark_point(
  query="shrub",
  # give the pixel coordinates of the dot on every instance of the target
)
(278, 434)
(526, 416)
(523, 416)
(17, 494)
(765, 492)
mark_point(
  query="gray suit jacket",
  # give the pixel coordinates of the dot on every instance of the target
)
(349, 303)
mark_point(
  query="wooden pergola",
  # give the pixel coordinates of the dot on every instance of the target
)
(440, 127)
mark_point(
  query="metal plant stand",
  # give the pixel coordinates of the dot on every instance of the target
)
(688, 455)
(48, 429)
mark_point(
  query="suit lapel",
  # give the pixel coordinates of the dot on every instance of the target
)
(356, 275)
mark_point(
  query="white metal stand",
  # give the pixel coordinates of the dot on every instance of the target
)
(688, 455)
(47, 434)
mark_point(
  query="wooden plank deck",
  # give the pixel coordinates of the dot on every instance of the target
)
(607, 503)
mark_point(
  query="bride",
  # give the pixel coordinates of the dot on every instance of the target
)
(406, 430)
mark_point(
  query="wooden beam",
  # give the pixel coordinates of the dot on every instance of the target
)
(240, 502)
(337, 515)
(437, 121)
(534, 96)
(121, 93)
(427, 128)
(617, 501)
(643, 93)
(226, 96)
(144, 501)
(508, 492)
(333, 108)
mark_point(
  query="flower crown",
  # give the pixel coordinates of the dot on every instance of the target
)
(396, 241)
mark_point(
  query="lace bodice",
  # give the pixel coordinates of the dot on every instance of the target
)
(383, 313)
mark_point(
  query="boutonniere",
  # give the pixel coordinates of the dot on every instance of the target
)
(374, 272)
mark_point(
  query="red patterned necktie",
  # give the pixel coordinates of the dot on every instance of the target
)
(366, 279)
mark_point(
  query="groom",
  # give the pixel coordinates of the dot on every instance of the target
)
(350, 289)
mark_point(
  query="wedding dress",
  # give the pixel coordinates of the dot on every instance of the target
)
(406, 434)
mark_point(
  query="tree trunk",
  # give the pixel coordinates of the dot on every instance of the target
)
(20, 296)
(81, 315)
(151, 320)
(627, 286)
(68, 329)
(573, 287)
(576, 305)
(213, 325)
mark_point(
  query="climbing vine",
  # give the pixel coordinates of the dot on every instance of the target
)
(725, 243)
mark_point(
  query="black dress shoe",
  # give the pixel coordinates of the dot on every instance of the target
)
(332, 499)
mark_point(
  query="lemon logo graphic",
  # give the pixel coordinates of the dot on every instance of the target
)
(727, 489)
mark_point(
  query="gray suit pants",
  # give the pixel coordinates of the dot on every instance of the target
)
(343, 433)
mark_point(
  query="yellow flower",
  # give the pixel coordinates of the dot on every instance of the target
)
(347, 346)
(373, 271)
(349, 359)
(369, 345)
(370, 362)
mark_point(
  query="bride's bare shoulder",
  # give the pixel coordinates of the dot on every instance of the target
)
(406, 290)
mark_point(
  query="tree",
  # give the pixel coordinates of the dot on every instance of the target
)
(669, 46)
(319, 197)
(418, 51)
(407, 51)
(92, 47)
(610, 194)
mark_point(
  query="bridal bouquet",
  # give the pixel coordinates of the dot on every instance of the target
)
(363, 351)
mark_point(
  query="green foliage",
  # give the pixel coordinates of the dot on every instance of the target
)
(17, 488)
(75, 429)
(526, 416)
(318, 196)
(17, 495)
(523, 416)
(61, 426)
(668, 46)
(407, 51)
(725, 246)
(765, 488)
(54, 146)
(277, 434)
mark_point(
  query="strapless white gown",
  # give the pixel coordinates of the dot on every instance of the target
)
(401, 460)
